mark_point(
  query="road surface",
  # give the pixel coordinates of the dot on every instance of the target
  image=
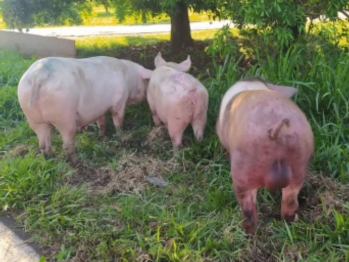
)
(80, 31)
(13, 246)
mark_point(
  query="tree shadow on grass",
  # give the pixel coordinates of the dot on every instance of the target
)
(143, 50)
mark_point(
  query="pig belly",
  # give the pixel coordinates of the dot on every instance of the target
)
(93, 106)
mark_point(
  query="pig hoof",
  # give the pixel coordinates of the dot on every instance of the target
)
(74, 161)
(47, 156)
(249, 227)
(118, 131)
(75, 164)
(249, 223)
(289, 218)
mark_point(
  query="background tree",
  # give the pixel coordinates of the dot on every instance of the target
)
(285, 19)
(176, 9)
(106, 4)
(28, 13)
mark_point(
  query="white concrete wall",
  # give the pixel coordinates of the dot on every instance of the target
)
(40, 46)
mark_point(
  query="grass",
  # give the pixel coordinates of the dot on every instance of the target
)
(107, 211)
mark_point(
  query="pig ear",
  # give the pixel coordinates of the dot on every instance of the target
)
(146, 73)
(286, 90)
(159, 61)
(185, 65)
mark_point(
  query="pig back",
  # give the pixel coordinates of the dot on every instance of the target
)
(253, 117)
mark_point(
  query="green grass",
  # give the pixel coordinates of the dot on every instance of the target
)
(117, 216)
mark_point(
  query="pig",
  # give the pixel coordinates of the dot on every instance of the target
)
(269, 143)
(70, 93)
(177, 99)
(137, 95)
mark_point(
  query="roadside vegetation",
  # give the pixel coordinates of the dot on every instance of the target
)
(99, 17)
(106, 210)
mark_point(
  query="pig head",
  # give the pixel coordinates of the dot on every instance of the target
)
(269, 143)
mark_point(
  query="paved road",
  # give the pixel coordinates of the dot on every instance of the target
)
(79, 31)
(13, 246)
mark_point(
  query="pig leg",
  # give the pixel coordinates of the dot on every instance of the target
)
(247, 202)
(175, 130)
(155, 116)
(198, 125)
(118, 115)
(245, 195)
(289, 203)
(101, 122)
(43, 132)
(200, 117)
(68, 135)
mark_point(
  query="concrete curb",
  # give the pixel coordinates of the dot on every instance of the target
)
(13, 246)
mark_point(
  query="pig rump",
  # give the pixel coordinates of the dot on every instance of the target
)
(269, 144)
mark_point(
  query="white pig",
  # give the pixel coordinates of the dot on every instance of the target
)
(70, 93)
(177, 99)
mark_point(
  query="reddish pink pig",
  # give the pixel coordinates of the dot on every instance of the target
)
(269, 142)
(72, 93)
(177, 99)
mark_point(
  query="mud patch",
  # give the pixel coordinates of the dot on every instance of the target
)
(93, 177)
(129, 176)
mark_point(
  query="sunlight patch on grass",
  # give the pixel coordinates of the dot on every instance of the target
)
(101, 18)
(2, 23)
(100, 42)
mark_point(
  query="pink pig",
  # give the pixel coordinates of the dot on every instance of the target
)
(177, 99)
(71, 93)
(269, 143)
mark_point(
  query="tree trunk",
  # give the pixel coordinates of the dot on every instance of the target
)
(106, 7)
(180, 27)
(297, 33)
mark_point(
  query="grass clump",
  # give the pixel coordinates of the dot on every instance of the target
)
(107, 210)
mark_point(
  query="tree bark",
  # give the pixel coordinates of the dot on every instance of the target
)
(297, 33)
(180, 27)
(295, 30)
